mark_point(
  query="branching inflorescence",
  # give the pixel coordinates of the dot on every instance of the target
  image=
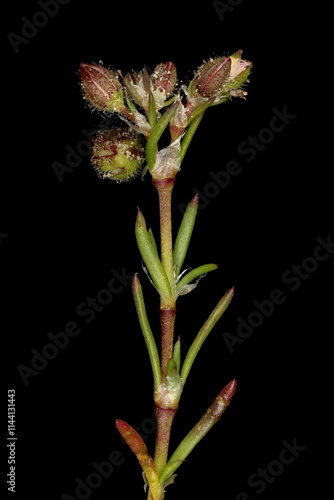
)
(148, 106)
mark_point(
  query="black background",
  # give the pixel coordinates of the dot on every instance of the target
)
(61, 240)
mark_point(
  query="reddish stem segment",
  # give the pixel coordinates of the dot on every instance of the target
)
(167, 320)
(164, 418)
(165, 188)
(165, 412)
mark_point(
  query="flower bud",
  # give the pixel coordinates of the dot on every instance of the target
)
(118, 154)
(134, 84)
(201, 93)
(101, 87)
(160, 85)
(240, 69)
(210, 77)
(164, 78)
(239, 73)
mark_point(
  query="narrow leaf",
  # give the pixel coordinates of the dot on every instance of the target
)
(151, 235)
(204, 332)
(177, 354)
(211, 416)
(184, 234)
(150, 257)
(130, 105)
(146, 330)
(193, 274)
(156, 133)
(170, 101)
(151, 110)
(172, 371)
(137, 445)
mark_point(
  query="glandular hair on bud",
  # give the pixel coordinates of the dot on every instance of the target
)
(210, 77)
(164, 77)
(101, 87)
(118, 154)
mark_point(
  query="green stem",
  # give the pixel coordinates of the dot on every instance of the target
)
(192, 127)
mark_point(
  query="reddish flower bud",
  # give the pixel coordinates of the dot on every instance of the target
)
(101, 87)
(210, 77)
(118, 154)
(164, 77)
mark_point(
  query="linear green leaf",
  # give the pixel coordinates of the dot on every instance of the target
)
(156, 133)
(184, 234)
(151, 235)
(170, 101)
(130, 105)
(195, 273)
(146, 330)
(151, 110)
(150, 257)
(177, 354)
(210, 417)
(204, 332)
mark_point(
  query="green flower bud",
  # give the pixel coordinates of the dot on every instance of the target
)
(118, 154)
